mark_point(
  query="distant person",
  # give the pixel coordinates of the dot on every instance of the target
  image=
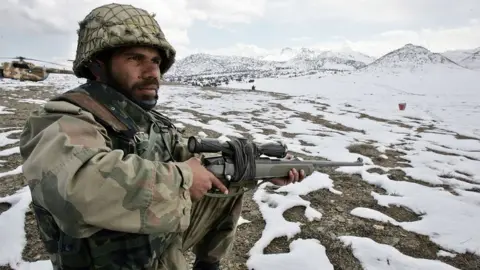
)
(113, 185)
(253, 87)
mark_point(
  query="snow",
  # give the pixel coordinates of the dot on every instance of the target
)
(445, 254)
(273, 205)
(15, 171)
(411, 57)
(472, 61)
(459, 232)
(437, 134)
(298, 60)
(459, 55)
(5, 140)
(376, 256)
(35, 101)
(308, 254)
(12, 235)
(467, 58)
(4, 110)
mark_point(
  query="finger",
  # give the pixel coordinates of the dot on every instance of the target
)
(218, 184)
(291, 177)
(295, 175)
(278, 181)
(302, 174)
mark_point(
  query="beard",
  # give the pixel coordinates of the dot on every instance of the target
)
(134, 93)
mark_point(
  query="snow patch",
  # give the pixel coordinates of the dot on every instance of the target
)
(273, 205)
(376, 256)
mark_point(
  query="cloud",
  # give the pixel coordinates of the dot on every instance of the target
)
(405, 12)
(437, 40)
(46, 19)
(56, 16)
(47, 28)
(301, 39)
(240, 49)
(219, 13)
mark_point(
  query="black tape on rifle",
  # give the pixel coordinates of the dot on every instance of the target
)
(244, 154)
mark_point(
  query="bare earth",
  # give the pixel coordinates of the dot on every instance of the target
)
(336, 219)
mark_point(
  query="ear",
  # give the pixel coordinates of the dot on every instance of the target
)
(98, 69)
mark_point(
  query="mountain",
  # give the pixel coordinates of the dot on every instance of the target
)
(472, 61)
(410, 57)
(459, 55)
(285, 54)
(284, 62)
(293, 62)
(349, 54)
(288, 53)
(206, 64)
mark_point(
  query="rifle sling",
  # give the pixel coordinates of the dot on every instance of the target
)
(103, 114)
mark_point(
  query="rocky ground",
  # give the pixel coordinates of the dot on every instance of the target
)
(335, 208)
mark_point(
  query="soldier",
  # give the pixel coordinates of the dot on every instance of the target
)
(113, 185)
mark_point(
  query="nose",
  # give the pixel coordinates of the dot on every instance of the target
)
(151, 70)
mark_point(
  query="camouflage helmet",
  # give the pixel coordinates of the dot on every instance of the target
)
(116, 25)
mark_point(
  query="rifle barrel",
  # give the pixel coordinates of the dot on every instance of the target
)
(358, 162)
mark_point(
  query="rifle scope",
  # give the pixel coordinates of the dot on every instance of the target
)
(207, 145)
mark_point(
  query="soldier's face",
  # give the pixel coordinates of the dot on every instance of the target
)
(137, 70)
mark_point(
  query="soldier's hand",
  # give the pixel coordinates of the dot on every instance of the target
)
(203, 180)
(294, 176)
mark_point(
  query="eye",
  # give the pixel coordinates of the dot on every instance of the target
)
(135, 57)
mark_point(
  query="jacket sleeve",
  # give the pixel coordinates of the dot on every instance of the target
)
(181, 152)
(75, 175)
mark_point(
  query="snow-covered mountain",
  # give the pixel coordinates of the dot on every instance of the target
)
(410, 57)
(285, 54)
(472, 61)
(288, 53)
(290, 62)
(207, 64)
(459, 55)
(286, 61)
(306, 59)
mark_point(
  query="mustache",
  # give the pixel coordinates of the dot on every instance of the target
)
(147, 82)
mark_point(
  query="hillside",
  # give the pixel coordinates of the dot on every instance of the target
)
(472, 61)
(215, 70)
(459, 55)
(206, 64)
(288, 61)
(412, 57)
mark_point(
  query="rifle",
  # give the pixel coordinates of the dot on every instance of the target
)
(243, 163)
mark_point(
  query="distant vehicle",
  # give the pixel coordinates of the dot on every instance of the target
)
(26, 71)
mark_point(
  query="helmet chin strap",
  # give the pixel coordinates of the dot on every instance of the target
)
(104, 75)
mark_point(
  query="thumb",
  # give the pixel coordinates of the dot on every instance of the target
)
(218, 184)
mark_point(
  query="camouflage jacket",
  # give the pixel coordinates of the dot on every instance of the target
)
(90, 181)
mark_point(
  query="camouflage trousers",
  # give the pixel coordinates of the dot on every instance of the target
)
(210, 234)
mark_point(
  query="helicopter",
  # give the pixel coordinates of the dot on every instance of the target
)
(27, 71)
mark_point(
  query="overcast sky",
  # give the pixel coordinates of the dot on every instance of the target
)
(46, 29)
